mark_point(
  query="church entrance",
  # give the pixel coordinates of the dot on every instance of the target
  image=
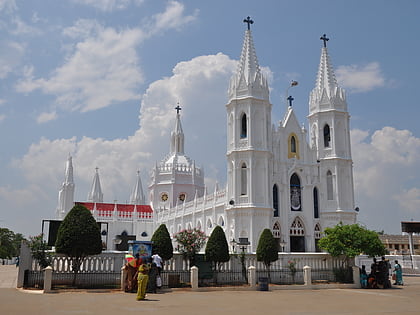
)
(297, 243)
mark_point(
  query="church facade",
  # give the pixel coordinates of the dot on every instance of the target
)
(294, 181)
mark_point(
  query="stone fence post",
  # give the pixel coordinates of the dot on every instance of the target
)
(307, 275)
(194, 278)
(25, 263)
(356, 277)
(48, 279)
(252, 276)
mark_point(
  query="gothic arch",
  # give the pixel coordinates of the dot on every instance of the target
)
(244, 126)
(295, 193)
(275, 200)
(327, 136)
(221, 221)
(276, 230)
(198, 226)
(297, 235)
(316, 202)
(209, 223)
(293, 146)
(189, 226)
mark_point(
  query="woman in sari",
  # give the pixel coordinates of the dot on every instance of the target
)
(398, 274)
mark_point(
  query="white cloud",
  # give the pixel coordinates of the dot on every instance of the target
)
(22, 28)
(357, 78)
(102, 70)
(200, 87)
(385, 176)
(109, 5)
(46, 117)
(172, 17)
(11, 54)
(8, 5)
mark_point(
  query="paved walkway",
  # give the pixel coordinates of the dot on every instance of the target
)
(398, 300)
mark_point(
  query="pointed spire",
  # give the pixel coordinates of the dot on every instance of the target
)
(137, 197)
(326, 91)
(68, 177)
(248, 80)
(95, 194)
(177, 135)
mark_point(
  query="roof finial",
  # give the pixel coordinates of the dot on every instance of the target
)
(249, 21)
(325, 39)
(178, 108)
(290, 99)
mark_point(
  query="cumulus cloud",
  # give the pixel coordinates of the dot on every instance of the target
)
(385, 176)
(199, 85)
(358, 78)
(102, 70)
(109, 5)
(103, 67)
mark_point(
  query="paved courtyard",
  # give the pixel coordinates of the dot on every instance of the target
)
(398, 300)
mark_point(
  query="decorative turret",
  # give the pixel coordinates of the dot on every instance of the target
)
(137, 197)
(95, 194)
(326, 94)
(66, 193)
(248, 81)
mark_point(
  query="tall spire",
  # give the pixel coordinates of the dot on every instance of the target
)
(95, 194)
(326, 91)
(177, 135)
(66, 193)
(137, 197)
(68, 177)
(248, 80)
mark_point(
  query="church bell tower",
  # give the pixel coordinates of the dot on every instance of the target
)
(248, 149)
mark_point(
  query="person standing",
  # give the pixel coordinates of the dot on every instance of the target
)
(158, 261)
(398, 274)
(142, 279)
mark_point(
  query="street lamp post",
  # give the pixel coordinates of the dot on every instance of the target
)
(243, 244)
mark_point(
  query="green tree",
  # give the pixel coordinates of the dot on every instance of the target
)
(190, 242)
(39, 250)
(267, 249)
(162, 243)
(217, 249)
(348, 241)
(78, 237)
(9, 243)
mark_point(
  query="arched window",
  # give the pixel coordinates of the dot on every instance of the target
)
(244, 187)
(276, 230)
(327, 136)
(330, 194)
(295, 193)
(293, 144)
(244, 129)
(316, 203)
(221, 221)
(198, 225)
(209, 224)
(275, 200)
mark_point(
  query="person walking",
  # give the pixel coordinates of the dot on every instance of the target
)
(142, 279)
(398, 274)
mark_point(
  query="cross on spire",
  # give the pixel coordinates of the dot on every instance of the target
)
(290, 99)
(325, 39)
(178, 108)
(249, 21)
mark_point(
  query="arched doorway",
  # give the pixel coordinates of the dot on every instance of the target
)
(297, 236)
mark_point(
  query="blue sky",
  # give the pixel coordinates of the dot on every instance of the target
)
(99, 79)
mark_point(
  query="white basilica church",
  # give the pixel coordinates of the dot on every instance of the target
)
(279, 177)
